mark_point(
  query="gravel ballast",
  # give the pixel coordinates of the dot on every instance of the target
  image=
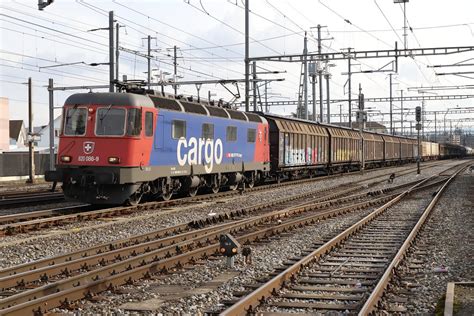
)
(442, 252)
(24, 248)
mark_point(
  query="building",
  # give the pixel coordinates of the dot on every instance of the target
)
(43, 133)
(4, 125)
(18, 134)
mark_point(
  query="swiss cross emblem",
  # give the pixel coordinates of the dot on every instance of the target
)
(88, 147)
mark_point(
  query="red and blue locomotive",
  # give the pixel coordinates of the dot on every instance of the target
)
(120, 147)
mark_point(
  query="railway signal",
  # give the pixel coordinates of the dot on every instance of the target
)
(229, 247)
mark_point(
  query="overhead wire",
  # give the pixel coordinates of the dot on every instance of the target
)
(229, 26)
(97, 9)
(353, 24)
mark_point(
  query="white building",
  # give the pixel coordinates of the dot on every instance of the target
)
(43, 142)
(18, 134)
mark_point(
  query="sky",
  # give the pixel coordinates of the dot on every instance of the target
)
(209, 35)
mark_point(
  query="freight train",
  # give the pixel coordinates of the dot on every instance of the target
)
(122, 147)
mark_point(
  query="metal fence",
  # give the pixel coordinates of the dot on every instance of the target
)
(16, 164)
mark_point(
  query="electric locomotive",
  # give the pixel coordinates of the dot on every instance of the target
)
(121, 147)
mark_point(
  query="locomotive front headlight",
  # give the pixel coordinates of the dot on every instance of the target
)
(114, 160)
(66, 158)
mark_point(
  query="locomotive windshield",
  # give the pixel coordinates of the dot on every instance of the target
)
(134, 122)
(110, 121)
(75, 122)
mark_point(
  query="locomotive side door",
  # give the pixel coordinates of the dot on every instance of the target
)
(159, 135)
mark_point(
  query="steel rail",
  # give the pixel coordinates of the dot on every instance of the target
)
(381, 286)
(244, 224)
(102, 249)
(44, 273)
(46, 222)
(138, 266)
(33, 197)
(121, 266)
(249, 302)
(12, 218)
(173, 230)
(35, 223)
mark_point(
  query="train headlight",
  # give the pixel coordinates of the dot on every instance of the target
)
(114, 160)
(66, 158)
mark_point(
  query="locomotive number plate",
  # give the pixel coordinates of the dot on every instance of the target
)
(88, 158)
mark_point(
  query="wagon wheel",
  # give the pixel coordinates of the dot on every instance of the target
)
(193, 191)
(134, 199)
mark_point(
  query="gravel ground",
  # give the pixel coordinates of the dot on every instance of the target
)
(23, 248)
(266, 257)
(463, 300)
(442, 253)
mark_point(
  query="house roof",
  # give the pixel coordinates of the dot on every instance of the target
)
(15, 128)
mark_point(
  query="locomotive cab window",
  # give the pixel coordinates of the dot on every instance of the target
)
(251, 135)
(231, 133)
(75, 122)
(208, 131)
(110, 121)
(178, 129)
(134, 122)
(149, 124)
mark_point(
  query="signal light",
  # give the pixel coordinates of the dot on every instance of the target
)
(229, 246)
(114, 160)
(418, 113)
(66, 158)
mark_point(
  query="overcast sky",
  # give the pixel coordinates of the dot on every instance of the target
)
(209, 36)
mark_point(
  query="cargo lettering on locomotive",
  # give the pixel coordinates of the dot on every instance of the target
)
(213, 152)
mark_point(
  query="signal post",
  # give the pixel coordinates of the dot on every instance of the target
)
(418, 128)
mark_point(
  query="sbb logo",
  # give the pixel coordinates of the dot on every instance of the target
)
(194, 151)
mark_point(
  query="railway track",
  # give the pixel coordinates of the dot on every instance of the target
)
(55, 282)
(349, 272)
(17, 198)
(33, 221)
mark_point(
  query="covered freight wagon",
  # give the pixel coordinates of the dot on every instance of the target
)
(345, 146)
(297, 145)
(392, 148)
(373, 148)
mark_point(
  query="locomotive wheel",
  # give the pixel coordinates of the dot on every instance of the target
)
(251, 183)
(215, 189)
(193, 191)
(166, 196)
(134, 199)
(233, 187)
